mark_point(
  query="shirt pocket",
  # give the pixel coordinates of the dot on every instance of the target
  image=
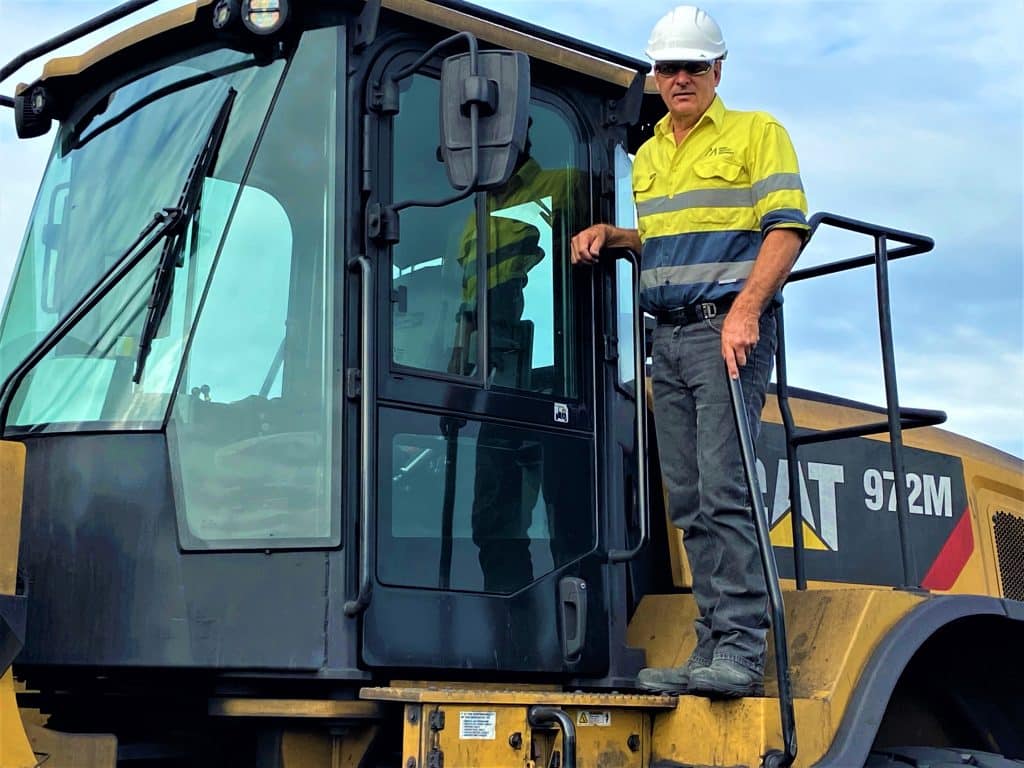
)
(730, 180)
(643, 183)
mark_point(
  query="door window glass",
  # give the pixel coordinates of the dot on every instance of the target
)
(625, 217)
(432, 317)
(479, 506)
(531, 340)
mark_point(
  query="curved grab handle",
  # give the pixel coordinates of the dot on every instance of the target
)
(624, 555)
(541, 716)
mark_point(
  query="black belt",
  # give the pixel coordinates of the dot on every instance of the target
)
(694, 313)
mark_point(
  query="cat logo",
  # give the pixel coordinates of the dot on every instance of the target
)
(822, 484)
(819, 523)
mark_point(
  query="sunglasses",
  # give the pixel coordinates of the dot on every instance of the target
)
(692, 68)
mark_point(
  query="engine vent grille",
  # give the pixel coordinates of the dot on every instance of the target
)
(1009, 534)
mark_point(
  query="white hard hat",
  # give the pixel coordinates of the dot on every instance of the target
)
(686, 33)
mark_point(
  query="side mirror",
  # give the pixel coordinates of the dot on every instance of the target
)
(500, 91)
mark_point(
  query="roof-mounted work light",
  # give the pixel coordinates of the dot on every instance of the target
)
(264, 17)
(259, 17)
(225, 12)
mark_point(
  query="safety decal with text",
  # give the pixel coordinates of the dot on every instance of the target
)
(590, 717)
(477, 725)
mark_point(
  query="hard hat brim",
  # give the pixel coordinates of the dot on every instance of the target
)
(683, 54)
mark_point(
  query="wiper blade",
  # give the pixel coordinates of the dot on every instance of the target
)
(172, 255)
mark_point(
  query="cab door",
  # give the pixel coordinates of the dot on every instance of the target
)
(486, 538)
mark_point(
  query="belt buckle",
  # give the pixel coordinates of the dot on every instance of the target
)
(708, 310)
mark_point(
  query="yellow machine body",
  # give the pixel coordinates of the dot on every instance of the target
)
(836, 631)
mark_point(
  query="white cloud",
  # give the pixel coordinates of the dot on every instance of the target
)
(907, 113)
(969, 374)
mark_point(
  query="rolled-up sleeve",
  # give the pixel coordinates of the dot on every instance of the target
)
(777, 190)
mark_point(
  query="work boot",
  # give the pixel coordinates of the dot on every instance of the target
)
(668, 679)
(726, 679)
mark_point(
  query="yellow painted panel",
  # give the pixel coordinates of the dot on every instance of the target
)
(72, 65)
(411, 754)
(73, 750)
(12, 481)
(305, 708)
(504, 693)
(478, 735)
(15, 750)
(831, 633)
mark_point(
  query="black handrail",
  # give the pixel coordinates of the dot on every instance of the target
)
(773, 758)
(366, 384)
(98, 22)
(897, 419)
(792, 468)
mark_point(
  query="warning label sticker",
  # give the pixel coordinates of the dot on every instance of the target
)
(476, 725)
(594, 717)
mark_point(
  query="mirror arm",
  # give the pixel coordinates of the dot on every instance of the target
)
(383, 219)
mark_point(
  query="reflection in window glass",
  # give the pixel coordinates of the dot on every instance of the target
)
(251, 429)
(432, 321)
(103, 185)
(517, 508)
(531, 337)
(625, 216)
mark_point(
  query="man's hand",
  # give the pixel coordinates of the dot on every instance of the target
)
(587, 245)
(740, 333)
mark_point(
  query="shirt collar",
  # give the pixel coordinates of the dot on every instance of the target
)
(715, 114)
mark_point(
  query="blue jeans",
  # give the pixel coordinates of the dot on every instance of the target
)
(702, 471)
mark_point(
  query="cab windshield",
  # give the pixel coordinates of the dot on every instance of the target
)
(108, 177)
(238, 365)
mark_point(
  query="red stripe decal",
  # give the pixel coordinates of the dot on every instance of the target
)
(952, 557)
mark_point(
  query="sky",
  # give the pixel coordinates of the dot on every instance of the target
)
(906, 113)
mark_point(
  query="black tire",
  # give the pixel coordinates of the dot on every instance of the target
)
(936, 757)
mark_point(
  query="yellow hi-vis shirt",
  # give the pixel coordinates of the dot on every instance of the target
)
(703, 206)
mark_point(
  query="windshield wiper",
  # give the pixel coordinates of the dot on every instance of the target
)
(162, 223)
(172, 256)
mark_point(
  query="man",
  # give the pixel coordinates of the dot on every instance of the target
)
(721, 218)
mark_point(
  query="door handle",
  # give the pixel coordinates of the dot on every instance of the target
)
(572, 609)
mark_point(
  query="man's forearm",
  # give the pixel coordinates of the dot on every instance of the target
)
(778, 254)
(617, 237)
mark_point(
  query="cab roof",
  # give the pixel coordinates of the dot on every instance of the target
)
(495, 28)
